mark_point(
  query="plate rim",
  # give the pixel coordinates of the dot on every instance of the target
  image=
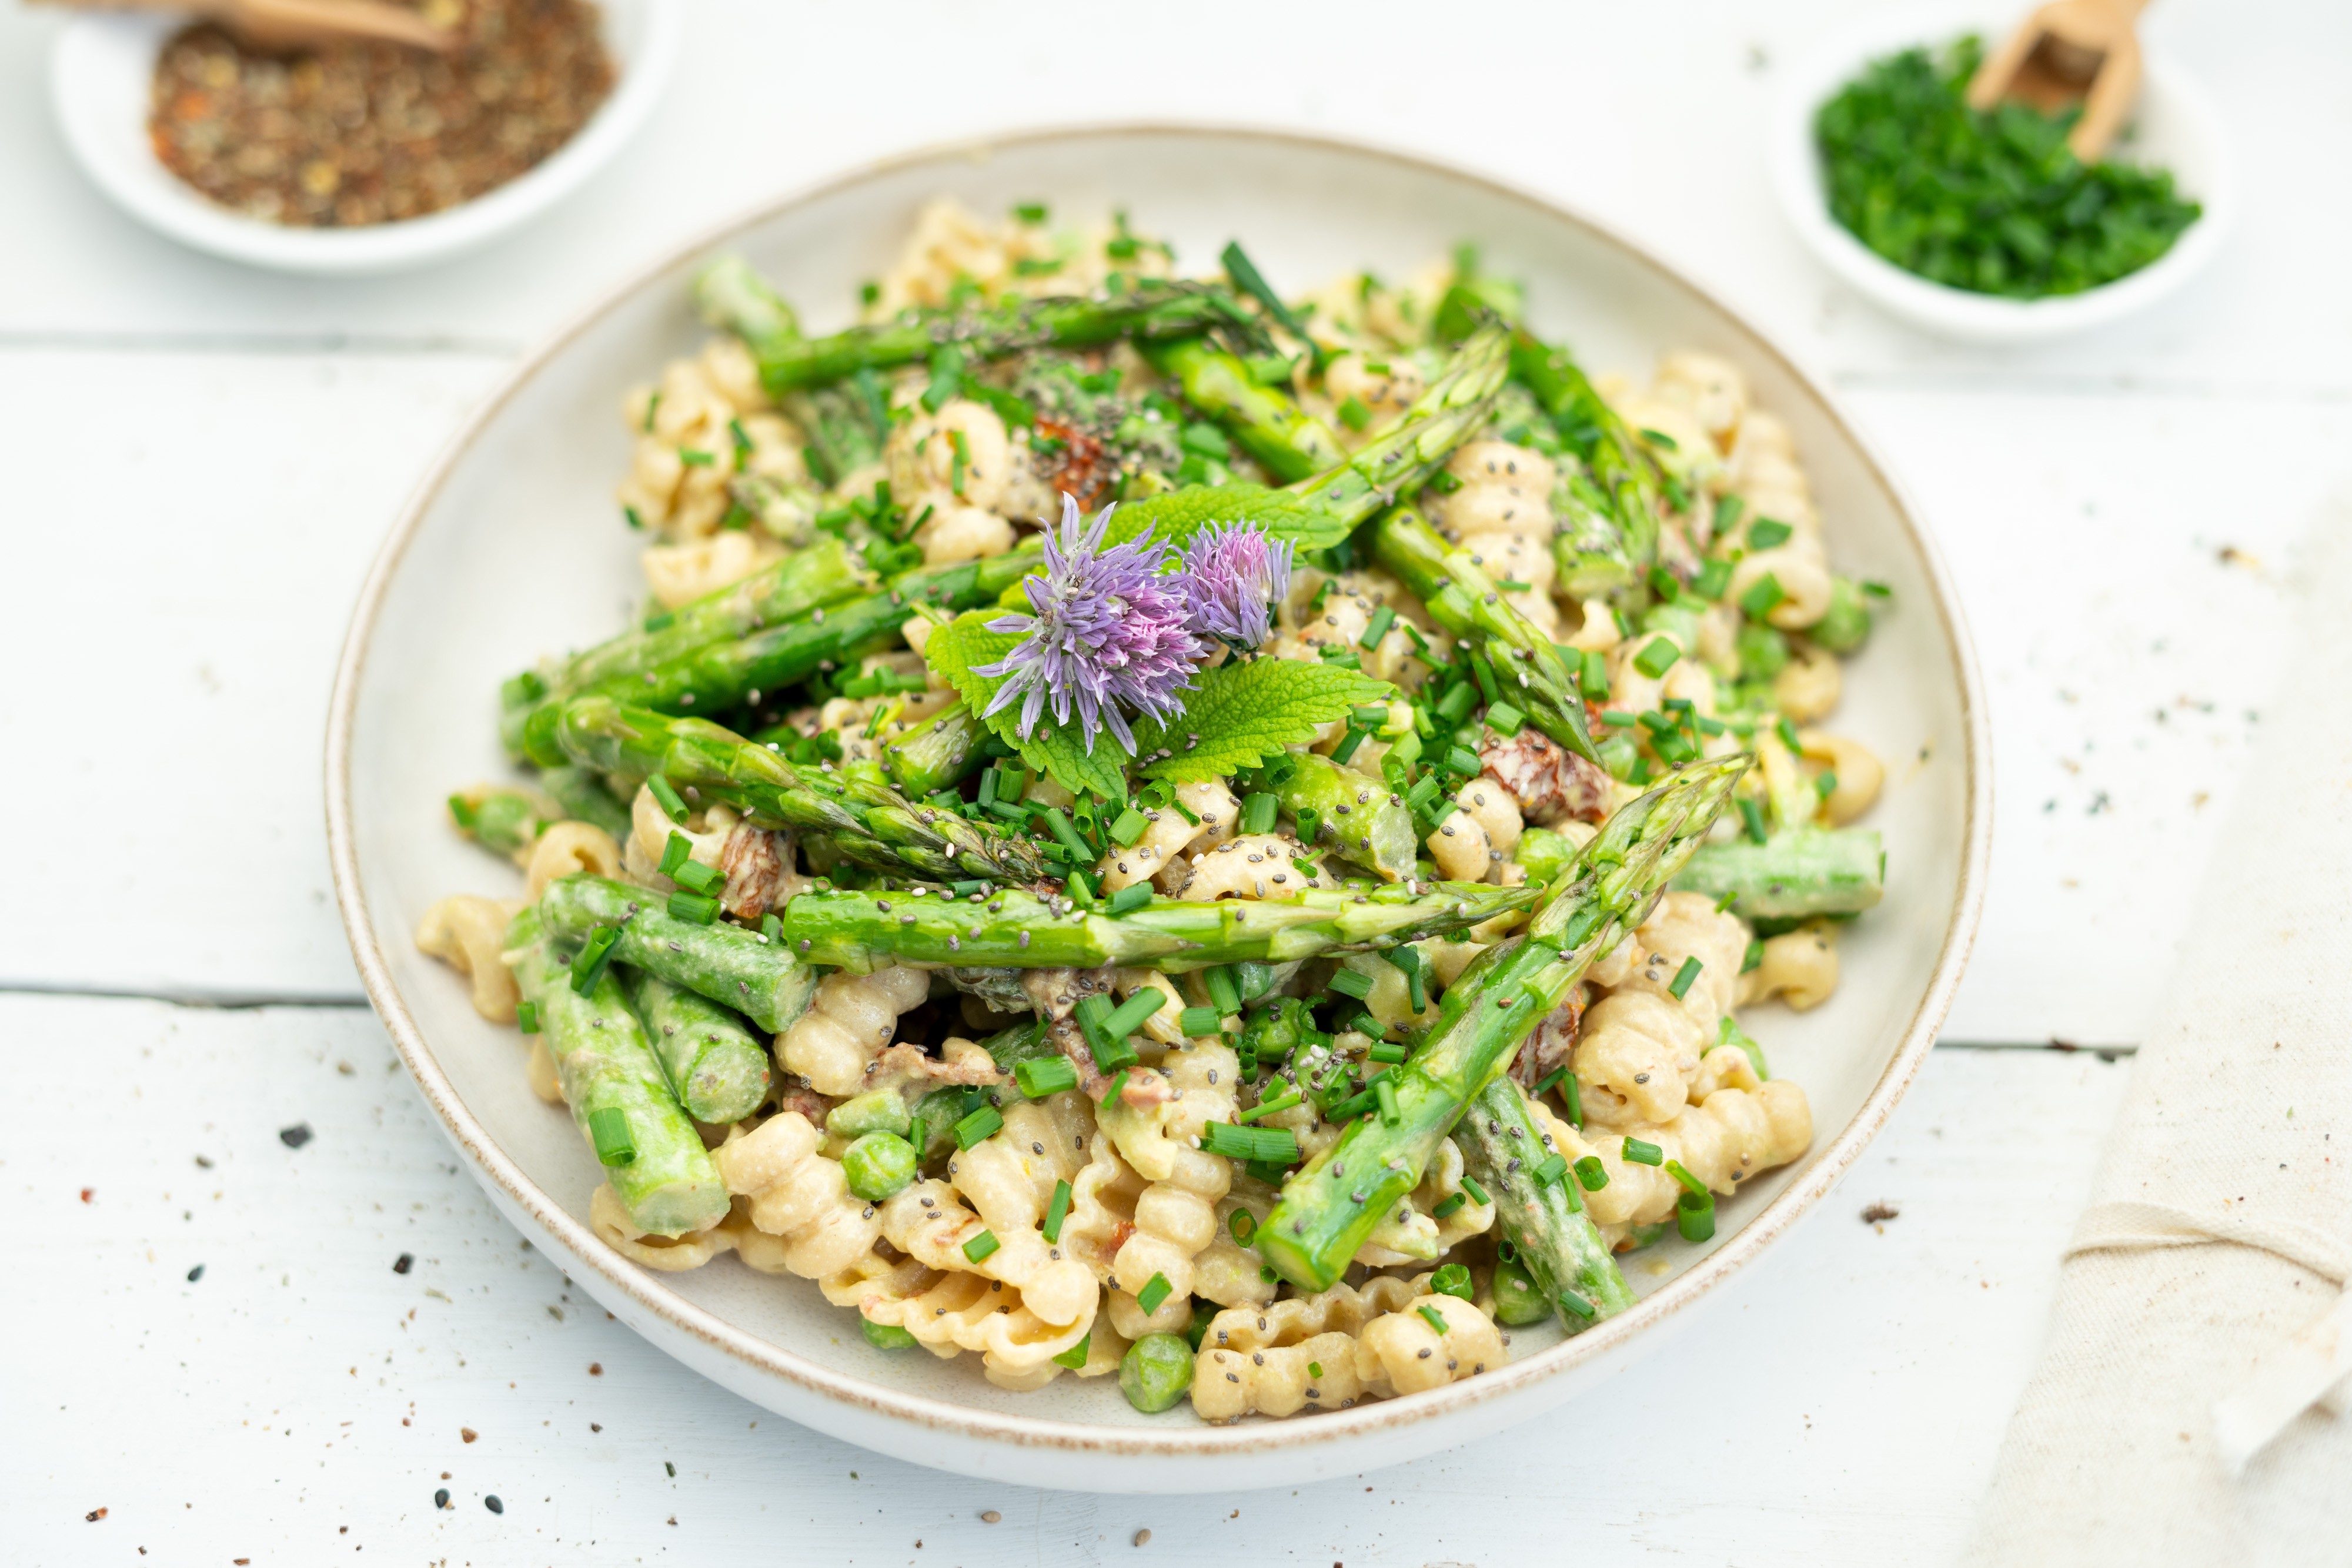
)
(1200, 1442)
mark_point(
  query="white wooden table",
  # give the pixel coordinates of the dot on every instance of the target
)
(201, 459)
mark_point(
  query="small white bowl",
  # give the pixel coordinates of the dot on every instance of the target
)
(99, 79)
(2172, 127)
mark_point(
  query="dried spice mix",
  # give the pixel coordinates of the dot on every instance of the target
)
(357, 133)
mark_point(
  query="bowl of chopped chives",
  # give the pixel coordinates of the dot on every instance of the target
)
(1980, 227)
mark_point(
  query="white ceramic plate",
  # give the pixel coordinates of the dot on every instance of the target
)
(512, 547)
(99, 79)
(2172, 127)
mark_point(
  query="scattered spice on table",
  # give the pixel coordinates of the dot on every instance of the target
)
(1992, 201)
(403, 1263)
(357, 133)
(295, 1136)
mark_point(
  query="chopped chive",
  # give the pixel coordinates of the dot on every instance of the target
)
(675, 853)
(1712, 579)
(1314, 1369)
(1751, 818)
(1349, 983)
(981, 1246)
(1057, 1211)
(1156, 1291)
(1657, 657)
(1057, 822)
(1754, 957)
(1435, 1319)
(608, 1130)
(629, 515)
(1118, 1087)
(695, 877)
(1618, 718)
(1129, 899)
(1477, 1194)
(1574, 1097)
(1592, 675)
(461, 812)
(667, 797)
(1075, 1357)
(1242, 1225)
(1730, 897)
(1389, 1052)
(1455, 704)
(980, 1124)
(1544, 1084)
(885, 1336)
(1684, 978)
(1504, 718)
(1030, 212)
(1453, 1280)
(1552, 1172)
(526, 1016)
(1041, 1075)
(1223, 994)
(1281, 1100)
(1447, 1207)
(594, 954)
(1349, 743)
(1463, 760)
(1688, 1183)
(1199, 1022)
(1769, 533)
(1789, 736)
(1130, 1014)
(693, 459)
(1825, 786)
(1371, 716)
(1590, 1173)
(1377, 627)
(1658, 438)
(1416, 984)
(1274, 1145)
(1127, 827)
(1666, 585)
(1384, 1090)
(1311, 824)
(1577, 1306)
(1694, 1216)
(1257, 812)
(699, 908)
(1727, 510)
(1876, 590)
(1355, 413)
(1761, 596)
(1484, 674)
(1641, 1153)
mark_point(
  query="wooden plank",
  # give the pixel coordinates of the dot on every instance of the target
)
(243, 495)
(187, 547)
(1678, 95)
(1845, 1402)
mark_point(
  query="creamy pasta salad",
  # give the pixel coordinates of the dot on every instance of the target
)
(1155, 830)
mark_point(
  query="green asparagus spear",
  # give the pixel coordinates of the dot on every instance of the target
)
(501, 817)
(936, 752)
(1792, 875)
(584, 798)
(794, 588)
(719, 675)
(846, 426)
(652, 1154)
(1267, 422)
(717, 1069)
(1330, 1206)
(1464, 601)
(1359, 817)
(1149, 310)
(730, 296)
(862, 931)
(1556, 1241)
(726, 964)
(1621, 474)
(872, 824)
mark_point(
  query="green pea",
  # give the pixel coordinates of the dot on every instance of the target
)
(1844, 626)
(885, 1336)
(1156, 1371)
(1517, 1300)
(880, 1111)
(879, 1164)
(1763, 651)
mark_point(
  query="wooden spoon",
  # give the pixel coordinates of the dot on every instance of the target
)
(282, 25)
(2070, 51)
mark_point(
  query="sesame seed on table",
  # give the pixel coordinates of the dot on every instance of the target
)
(307, 1328)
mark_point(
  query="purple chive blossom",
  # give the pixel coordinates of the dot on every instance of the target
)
(1232, 574)
(1109, 637)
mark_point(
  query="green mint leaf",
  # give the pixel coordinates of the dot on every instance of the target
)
(953, 649)
(1243, 713)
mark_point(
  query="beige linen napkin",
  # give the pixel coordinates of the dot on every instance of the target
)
(2185, 1409)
